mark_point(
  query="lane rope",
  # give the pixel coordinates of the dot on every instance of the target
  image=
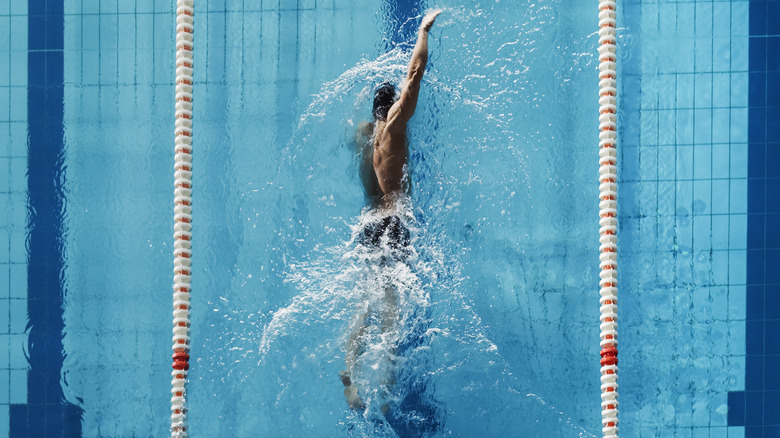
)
(608, 217)
(182, 216)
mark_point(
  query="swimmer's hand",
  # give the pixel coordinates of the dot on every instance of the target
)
(427, 21)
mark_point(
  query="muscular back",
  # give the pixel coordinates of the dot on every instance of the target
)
(390, 158)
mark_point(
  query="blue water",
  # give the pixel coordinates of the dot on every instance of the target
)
(498, 332)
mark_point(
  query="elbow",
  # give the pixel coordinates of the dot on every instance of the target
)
(416, 70)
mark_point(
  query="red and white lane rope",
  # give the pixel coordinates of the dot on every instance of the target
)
(182, 218)
(608, 217)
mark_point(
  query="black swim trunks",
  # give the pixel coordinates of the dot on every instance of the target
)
(391, 226)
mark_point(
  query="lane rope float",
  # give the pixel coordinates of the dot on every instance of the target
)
(182, 250)
(608, 217)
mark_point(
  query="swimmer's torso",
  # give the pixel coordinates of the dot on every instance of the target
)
(390, 158)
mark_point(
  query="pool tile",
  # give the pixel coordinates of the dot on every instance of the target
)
(630, 161)
(772, 196)
(5, 387)
(684, 127)
(756, 195)
(737, 267)
(5, 306)
(736, 313)
(721, 17)
(757, 18)
(736, 413)
(18, 386)
(772, 336)
(773, 87)
(773, 47)
(18, 253)
(738, 192)
(702, 126)
(18, 68)
(684, 166)
(773, 160)
(772, 233)
(108, 7)
(772, 431)
(5, 274)
(721, 89)
(755, 267)
(17, 281)
(754, 345)
(684, 61)
(90, 6)
(738, 160)
(684, 90)
(755, 303)
(666, 120)
(720, 267)
(33, 8)
(737, 231)
(718, 432)
(739, 54)
(772, 378)
(773, 23)
(146, 6)
(719, 227)
(736, 432)
(720, 196)
(704, 20)
(721, 125)
(757, 97)
(773, 122)
(703, 62)
(703, 91)
(18, 312)
(17, 348)
(18, 33)
(754, 408)
(720, 161)
(772, 409)
(757, 50)
(702, 163)
(739, 17)
(5, 112)
(108, 32)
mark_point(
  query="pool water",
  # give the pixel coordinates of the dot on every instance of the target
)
(498, 294)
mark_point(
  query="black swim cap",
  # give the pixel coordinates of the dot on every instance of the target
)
(384, 98)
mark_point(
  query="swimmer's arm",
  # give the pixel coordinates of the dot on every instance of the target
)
(364, 148)
(364, 132)
(402, 111)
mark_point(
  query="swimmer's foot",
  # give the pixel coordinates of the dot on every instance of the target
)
(346, 377)
(351, 392)
(353, 399)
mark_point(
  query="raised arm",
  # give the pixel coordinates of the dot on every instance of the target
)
(402, 111)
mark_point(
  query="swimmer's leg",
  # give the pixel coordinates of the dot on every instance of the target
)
(390, 333)
(354, 347)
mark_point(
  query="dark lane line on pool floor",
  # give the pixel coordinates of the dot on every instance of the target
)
(46, 413)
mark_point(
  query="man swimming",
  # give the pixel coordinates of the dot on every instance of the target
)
(385, 176)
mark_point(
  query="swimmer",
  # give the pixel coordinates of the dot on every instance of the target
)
(383, 167)
(384, 173)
